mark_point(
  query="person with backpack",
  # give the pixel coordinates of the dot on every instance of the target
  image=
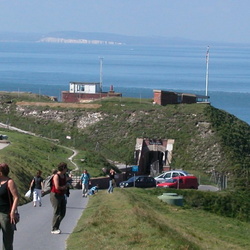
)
(57, 196)
(47, 183)
(36, 187)
(85, 179)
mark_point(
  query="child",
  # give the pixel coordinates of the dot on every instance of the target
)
(93, 190)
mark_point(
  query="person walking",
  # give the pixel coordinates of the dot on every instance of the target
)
(57, 196)
(111, 180)
(9, 199)
(36, 187)
(85, 179)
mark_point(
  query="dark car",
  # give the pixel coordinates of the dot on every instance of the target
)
(139, 181)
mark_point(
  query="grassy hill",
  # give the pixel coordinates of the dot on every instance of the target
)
(135, 218)
(27, 154)
(206, 139)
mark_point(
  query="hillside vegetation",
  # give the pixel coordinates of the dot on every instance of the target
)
(27, 154)
(206, 139)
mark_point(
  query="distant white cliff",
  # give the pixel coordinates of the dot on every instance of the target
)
(82, 41)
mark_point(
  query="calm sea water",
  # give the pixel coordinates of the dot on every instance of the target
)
(133, 70)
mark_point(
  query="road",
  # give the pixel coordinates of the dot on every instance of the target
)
(208, 188)
(34, 228)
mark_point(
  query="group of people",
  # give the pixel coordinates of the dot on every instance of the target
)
(9, 199)
(60, 183)
(85, 181)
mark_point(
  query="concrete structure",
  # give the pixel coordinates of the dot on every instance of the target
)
(153, 155)
(163, 98)
(83, 92)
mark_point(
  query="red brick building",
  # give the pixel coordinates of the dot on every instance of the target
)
(163, 98)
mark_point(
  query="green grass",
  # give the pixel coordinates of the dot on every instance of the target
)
(27, 154)
(137, 219)
(205, 137)
(22, 96)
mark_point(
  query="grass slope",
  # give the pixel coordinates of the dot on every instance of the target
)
(136, 219)
(27, 154)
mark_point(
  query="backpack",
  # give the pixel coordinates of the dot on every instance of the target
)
(47, 183)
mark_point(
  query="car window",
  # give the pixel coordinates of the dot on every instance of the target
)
(167, 175)
(131, 179)
(181, 174)
(161, 176)
(175, 174)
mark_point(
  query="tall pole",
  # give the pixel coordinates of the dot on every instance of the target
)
(101, 61)
(207, 62)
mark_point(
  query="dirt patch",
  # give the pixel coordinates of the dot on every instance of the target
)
(61, 105)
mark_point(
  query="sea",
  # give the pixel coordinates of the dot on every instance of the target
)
(134, 71)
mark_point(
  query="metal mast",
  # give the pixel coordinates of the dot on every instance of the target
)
(101, 61)
(207, 62)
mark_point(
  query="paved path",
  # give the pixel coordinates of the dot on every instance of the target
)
(34, 229)
(208, 188)
(3, 145)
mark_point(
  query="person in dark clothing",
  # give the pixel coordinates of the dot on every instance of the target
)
(111, 180)
(36, 187)
(8, 204)
(57, 196)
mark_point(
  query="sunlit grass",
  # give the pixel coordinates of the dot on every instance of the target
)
(137, 219)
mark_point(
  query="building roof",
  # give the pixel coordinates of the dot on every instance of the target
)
(181, 93)
(86, 83)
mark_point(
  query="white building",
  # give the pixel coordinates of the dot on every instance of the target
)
(87, 88)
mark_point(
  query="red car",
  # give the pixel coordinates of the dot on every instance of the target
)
(180, 182)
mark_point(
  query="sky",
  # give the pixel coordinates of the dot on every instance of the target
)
(211, 20)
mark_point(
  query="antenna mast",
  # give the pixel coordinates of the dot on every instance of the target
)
(101, 61)
(207, 62)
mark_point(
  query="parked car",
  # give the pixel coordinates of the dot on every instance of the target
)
(181, 182)
(170, 174)
(139, 181)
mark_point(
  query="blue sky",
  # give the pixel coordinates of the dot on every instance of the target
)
(211, 20)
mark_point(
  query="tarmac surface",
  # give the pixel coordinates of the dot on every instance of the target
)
(208, 188)
(3, 145)
(34, 229)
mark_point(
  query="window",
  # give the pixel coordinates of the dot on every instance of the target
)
(168, 175)
(175, 174)
(141, 179)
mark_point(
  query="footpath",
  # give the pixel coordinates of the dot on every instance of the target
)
(34, 229)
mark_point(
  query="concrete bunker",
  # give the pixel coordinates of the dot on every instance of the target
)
(153, 155)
